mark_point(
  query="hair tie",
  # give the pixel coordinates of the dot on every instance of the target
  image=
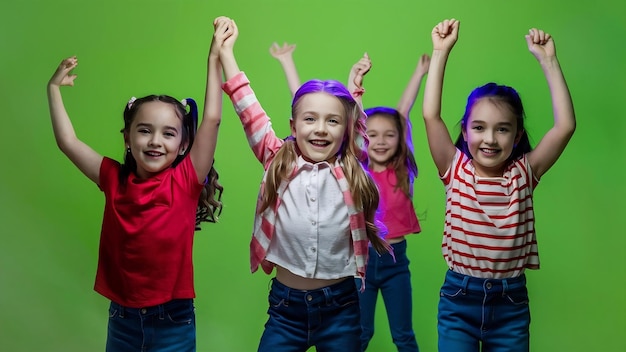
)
(184, 102)
(131, 101)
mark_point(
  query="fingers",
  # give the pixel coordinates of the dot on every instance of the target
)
(537, 36)
(446, 28)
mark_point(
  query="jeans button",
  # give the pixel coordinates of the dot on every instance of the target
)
(309, 298)
(143, 310)
(488, 285)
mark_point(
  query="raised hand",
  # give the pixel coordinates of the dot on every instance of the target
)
(62, 76)
(358, 71)
(445, 34)
(230, 33)
(222, 30)
(282, 52)
(540, 44)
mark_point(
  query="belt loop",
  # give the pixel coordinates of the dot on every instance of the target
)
(465, 284)
(505, 287)
(328, 295)
(161, 311)
(288, 298)
(121, 309)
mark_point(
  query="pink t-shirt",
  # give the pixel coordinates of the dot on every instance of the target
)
(145, 255)
(395, 208)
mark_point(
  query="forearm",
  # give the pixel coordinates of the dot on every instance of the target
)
(213, 98)
(410, 93)
(434, 85)
(293, 80)
(229, 64)
(61, 125)
(564, 117)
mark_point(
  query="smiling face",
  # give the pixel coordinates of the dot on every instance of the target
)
(319, 125)
(383, 141)
(491, 133)
(155, 137)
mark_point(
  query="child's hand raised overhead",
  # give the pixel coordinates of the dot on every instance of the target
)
(282, 52)
(445, 34)
(223, 30)
(540, 44)
(62, 76)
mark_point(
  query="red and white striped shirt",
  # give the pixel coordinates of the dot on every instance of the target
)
(490, 224)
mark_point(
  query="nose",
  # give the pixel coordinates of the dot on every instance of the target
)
(320, 127)
(155, 140)
(489, 137)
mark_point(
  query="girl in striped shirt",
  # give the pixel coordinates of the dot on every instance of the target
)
(489, 176)
(315, 212)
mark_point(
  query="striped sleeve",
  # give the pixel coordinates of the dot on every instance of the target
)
(256, 124)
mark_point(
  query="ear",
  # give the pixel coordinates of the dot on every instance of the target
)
(182, 148)
(292, 125)
(464, 133)
(126, 139)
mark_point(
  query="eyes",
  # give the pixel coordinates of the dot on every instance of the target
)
(167, 133)
(500, 129)
(333, 121)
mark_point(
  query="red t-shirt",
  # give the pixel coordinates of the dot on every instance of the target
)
(395, 208)
(145, 255)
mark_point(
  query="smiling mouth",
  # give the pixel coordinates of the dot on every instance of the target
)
(153, 154)
(489, 151)
(321, 144)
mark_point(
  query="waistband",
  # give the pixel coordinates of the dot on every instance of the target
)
(477, 284)
(153, 310)
(312, 297)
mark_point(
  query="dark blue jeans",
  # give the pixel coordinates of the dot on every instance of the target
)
(327, 318)
(393, 280)
(169, 327)
(491, 312)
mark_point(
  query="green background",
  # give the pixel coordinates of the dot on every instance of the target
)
(51, 213)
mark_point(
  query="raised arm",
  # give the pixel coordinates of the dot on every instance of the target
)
(86, 159)
(410, 92)
(203, 150)
(548, 150)
(355, 78)
(442, 149)
(284, 55)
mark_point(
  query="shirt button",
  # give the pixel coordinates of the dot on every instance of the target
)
(313, 249)
(309, 298)
(488, 285)
(144, 310)
(312, 199)
(312, 222)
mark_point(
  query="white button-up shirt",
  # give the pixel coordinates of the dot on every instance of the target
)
(312, 236)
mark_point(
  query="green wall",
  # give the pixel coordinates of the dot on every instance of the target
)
(51, 213)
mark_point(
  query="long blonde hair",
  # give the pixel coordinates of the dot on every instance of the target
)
(362, 186)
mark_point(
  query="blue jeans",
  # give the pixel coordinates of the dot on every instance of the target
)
(393, 280)
(327, 318)
(169, 327)
(489, 312)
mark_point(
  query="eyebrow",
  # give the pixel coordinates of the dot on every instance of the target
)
(497, 124)
(143, 124)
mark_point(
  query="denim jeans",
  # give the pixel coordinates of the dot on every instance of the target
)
(393, 280)
(327, 318)
(169, 327)
(489, 312)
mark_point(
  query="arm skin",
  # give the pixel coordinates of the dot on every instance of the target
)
(549, 149)
(86, 159)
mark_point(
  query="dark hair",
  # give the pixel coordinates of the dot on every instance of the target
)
(209, 204)
(504, 96)
(403, 161)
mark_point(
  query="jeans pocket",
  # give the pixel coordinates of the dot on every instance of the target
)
(347, 299)
(275, 301)
(451, 292)
(518, 297)
(113, 312)
(181, 315)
